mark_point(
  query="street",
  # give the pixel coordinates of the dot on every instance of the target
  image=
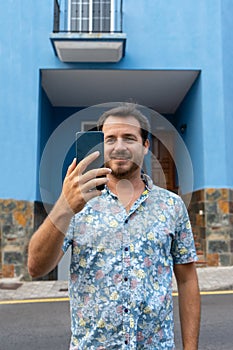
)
(45, 325)
(216, 323)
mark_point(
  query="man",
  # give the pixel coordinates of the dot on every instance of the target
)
(126, 241)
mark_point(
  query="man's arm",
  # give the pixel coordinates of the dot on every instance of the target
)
(189, 304)
(45, 246)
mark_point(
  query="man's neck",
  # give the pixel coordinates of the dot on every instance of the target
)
(128, 190)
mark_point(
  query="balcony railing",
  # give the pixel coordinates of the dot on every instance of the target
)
(93, 16)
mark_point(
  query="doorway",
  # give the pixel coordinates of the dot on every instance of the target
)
(162, 162)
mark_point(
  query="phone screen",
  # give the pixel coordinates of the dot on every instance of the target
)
(88, 142)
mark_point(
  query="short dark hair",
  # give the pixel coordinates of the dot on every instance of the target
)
(126, 110)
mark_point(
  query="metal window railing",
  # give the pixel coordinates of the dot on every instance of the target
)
(88, 16)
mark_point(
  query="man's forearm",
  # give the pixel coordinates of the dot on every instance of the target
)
(44, 250)
(189, 307)
(45, 247)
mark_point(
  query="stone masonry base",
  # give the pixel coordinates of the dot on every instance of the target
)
(211, 215)
(210, 210)
(18, 221)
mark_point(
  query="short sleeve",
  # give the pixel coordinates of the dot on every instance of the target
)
(69, 236)
(183, 246)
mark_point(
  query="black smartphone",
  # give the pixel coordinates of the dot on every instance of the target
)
(88, 142)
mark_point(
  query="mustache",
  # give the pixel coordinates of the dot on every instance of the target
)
(120, 155)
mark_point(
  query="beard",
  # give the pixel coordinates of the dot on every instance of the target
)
(122, 172)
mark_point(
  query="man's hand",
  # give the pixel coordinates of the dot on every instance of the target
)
(45, 247)
(79, 187)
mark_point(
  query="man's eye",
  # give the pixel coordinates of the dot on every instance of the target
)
(109, 141)
(129, 139)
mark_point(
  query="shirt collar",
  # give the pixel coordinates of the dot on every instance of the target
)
(147, 181)
(145, 178)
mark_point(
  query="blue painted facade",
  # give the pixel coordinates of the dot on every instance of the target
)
(183, 35)
(161, 35)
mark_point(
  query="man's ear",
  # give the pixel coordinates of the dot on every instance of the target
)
(146, 146)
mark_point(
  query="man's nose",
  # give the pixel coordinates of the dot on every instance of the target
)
(119, 144)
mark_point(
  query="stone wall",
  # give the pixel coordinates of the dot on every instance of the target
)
(211, 215)
(16, 227)
(18, 221)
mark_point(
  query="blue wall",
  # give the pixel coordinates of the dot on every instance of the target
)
(183, 34)
(190, 114)
(227, 46)
(24, 25)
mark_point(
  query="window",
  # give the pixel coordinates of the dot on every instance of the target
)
(88, 126)
(91, 15)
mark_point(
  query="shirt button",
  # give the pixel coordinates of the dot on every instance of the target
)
(126, 249)
(126, 310)
(126, 342)
(125, 279)
(126, 221)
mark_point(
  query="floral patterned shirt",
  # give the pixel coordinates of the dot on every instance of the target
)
(121, 270)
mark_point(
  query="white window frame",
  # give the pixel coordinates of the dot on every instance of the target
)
(69, 16)
(112, 19)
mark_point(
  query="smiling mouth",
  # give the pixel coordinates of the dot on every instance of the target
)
(120, 158)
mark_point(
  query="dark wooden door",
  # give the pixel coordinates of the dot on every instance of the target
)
(163, 165)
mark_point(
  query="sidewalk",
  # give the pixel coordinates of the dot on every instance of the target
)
(210, 279)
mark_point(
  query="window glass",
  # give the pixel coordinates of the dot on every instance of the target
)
(97, 21)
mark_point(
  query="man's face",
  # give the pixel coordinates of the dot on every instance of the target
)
(124, 149)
